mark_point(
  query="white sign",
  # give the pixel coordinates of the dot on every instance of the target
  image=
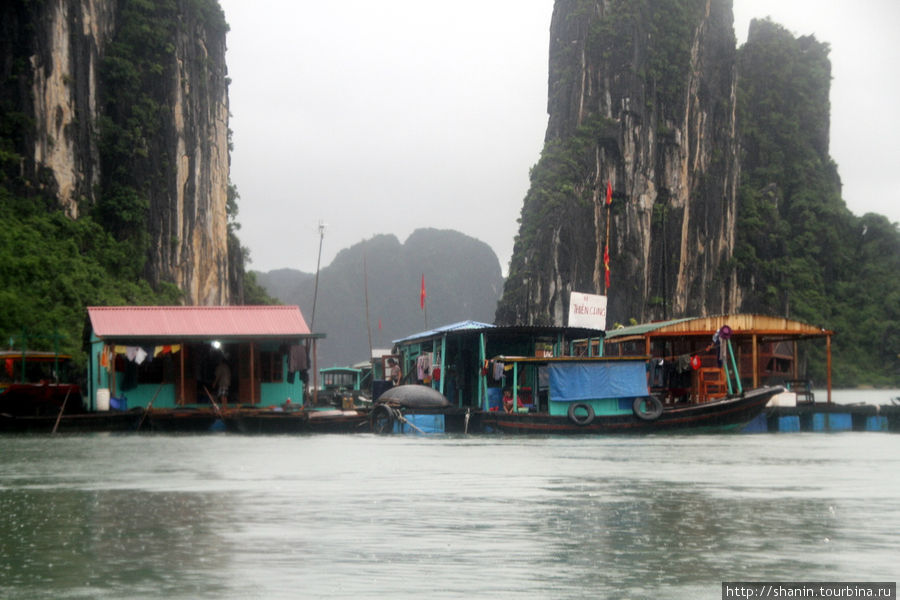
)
(587, 310)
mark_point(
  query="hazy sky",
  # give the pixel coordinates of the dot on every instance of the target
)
(388, 116)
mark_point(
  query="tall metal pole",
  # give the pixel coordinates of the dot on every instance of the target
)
(318, 262)
(312, 323)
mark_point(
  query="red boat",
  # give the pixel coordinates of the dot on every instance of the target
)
(33, 384)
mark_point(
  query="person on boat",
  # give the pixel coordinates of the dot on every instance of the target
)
(396, 373)
(222, 380)
(507, 400)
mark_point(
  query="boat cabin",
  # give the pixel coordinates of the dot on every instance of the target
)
(36, 383)
(472, 363)
(702, 358)
(34, 366)
(339, 387)
(340, 379)
(178, 356)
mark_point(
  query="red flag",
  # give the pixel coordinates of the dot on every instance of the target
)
(606, 265)
(422, 293)
(379, 324)
(608, 192)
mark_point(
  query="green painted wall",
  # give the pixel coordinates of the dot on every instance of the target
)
(271, 393)
(606, 406)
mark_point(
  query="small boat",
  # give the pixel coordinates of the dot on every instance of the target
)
(610, 395)
(34, 384)
(341, 387)
(37, 396)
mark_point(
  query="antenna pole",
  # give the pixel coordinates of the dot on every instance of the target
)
(312, 323)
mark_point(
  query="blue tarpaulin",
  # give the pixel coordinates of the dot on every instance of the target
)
(571, 382)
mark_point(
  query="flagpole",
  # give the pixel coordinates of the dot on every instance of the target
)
(422, 301)
(606, 250)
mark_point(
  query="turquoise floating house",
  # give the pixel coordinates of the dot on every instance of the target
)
(460, 355)
(169, 355)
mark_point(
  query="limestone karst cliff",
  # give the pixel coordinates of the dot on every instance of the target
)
(122, 112)
(641, 95)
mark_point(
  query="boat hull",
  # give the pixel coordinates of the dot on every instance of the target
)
(727, 414)
(40, 399)
(79, 423)
(266, 421)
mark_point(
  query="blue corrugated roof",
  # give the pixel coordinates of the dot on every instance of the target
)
(460, 326)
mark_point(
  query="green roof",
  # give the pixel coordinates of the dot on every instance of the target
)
(642, 328)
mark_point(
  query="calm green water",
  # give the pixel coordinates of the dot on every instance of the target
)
(330, 516)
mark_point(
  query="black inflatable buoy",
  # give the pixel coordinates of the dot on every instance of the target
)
(414, 395)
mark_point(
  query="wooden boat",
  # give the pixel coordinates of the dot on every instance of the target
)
(34, 384)
(314, 420)
(557, 382)
(610, 395)
(340, 388)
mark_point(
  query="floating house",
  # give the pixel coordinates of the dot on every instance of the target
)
(169, 355)
(456, 359)
(529, 379)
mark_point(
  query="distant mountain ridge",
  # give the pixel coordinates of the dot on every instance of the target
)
(463, 280)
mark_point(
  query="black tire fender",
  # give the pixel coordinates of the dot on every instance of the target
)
(648, 408)
(581, 420)
(381, 420)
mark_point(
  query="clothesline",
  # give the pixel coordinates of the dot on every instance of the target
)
(136, 354)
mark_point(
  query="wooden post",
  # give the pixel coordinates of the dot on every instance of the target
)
(112, 372)
(315, 362)
(755, 353)
(443, 362)
(796, 361)
(515, 387)
(252, 373)
(828, 364)
(181, 363)
(482, 393)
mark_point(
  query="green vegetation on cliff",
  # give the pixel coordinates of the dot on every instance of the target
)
(800, 252)
(136, 76)
(51, 266)
(664, 32)
(561, 192)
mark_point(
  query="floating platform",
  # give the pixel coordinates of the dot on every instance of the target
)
(813, 417)
(827, 418)
(191, 420)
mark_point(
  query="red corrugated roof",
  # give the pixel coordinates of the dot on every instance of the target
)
(196, 321)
